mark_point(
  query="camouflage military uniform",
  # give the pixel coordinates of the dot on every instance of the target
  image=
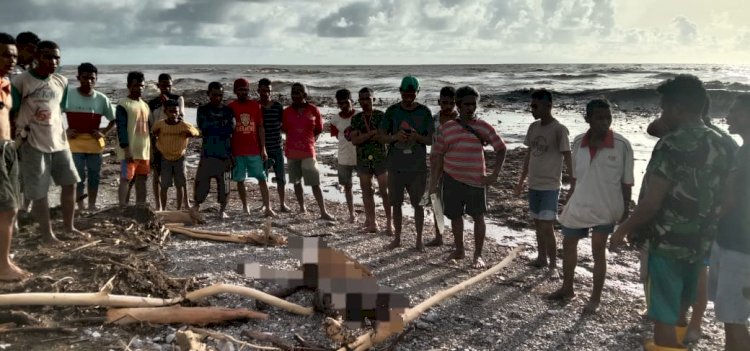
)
(696, 161)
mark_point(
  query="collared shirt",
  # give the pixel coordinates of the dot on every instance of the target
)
(599, 175)
(39, 103)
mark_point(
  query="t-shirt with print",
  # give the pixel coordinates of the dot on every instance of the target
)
(734, 225)
(133, 130)
(408, 156)
(600, 174)
(301, 128)
(216, 124)
(39, 103)
(372, 153)
(172, 139)
(248, 119)
(272, 125)
(463, 152)
(84, 114)
(347, 155)
(546, 144)
(696, 163)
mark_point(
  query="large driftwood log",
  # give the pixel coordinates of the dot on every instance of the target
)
(241, 238)
(179, 314)
(385, 330)
(103, 298)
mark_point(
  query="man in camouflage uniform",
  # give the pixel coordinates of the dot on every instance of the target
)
(678, 212)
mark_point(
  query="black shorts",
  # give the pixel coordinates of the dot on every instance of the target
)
(372, 169)
(156, 162)
(415, 183)
(460, 198)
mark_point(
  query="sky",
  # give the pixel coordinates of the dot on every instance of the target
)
(387, 31)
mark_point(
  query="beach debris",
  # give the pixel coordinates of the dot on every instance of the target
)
(189, 217)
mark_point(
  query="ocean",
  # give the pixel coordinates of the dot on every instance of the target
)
(504, 90)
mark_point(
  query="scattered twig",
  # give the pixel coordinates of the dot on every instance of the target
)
(70, 337)
(85, 246)
(226, 337)
(62, 280)
(87, 320)
(268, 337)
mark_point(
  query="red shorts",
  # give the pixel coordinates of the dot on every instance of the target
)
(128, 170)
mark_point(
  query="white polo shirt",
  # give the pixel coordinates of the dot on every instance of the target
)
(599, 175)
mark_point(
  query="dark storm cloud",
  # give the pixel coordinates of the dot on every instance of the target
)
(348, 21)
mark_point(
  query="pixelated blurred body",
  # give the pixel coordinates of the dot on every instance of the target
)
(342, 285)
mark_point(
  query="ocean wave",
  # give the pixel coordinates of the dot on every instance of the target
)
(188, 81)
(566, 76)
(663, 75)
(715, 84)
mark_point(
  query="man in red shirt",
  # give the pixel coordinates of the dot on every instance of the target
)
(302, 123)
(248, 144)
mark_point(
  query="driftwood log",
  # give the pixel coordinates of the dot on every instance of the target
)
(179, 314)
(252, 238)
(385, 330)
(103, 298)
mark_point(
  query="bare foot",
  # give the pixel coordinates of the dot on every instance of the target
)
(692, 335)
(79, 234)
(457, 255)
(270, 213)
(223, 215)
(561, 295)
(246, 210)
(435, 242)
(327, 217)
(302, 210)
(389, 231)
(591, 307)
(369, 229)
(538, 263)
(284, 209)
(81, 206)
(553, 273)
(51, 241)
(420, 246)
(13, 273)
(394, 244)
(352, 219)
(478, 263)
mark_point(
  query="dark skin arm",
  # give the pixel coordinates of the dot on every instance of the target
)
(568, 159)
(627, 193)
(524, 173)
(262, 142)
(499, 160)
(646, 210)
(359, 138)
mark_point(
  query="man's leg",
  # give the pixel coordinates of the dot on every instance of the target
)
(480, 229)
(541, 247)
(155, 181)
(416, 187)
(570, 261)
(599, 251)
(8, 270)
(80, 162)
(123, 190)
(699, 308)
(94, 166)
(300, 195)
(68, 204)
(419, 225)
(550, 243)
(457, 228)
(321, 204)
(396, 190)
(368, 199)
(40, 211)
(222, 188)
(140, 189)
(243, 196)
(266, 198)
(349, 201)
(384, 189)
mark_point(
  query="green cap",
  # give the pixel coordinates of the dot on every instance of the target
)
(409, 83)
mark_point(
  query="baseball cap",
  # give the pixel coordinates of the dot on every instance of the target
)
(409, 82)
(241, 83)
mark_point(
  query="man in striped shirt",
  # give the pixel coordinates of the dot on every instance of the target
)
(272, 112)
(458, 157)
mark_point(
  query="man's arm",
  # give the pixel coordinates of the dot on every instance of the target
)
(262, 142)
(524, 172)
(658, 187)
(436, 171)
(568, 159)
(121, 119)
(627, 194)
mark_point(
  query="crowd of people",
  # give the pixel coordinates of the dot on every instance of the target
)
(693, 210)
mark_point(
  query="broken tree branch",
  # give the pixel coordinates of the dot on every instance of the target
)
(241, 238)
(179, 314)
(38, 330)
(372, 338)
(227, 337)
(105, 299)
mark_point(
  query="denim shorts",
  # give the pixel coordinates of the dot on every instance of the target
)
(543, 204)
(584, 232)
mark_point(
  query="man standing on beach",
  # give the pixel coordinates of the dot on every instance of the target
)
(9, 187)
(683, 181)
(26, 43)
(133, 135)
(458, 158)
(86, 107)
(272, 113)
(156, 105)
(603, 176)
(408, 127)
(302, 124)
(548, 144)
(40, 96)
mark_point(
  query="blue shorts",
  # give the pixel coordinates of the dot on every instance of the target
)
(584, 232)
(246, 167)
(278, 166)
(543, 204)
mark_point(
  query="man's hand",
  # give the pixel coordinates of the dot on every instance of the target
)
(489, 179)
(71, 133)
(96, 134)
(402, 136)
(128, 154)
(412, 137)
(625, 214)
(263, 155)
(518, 189)
(371, 134)
(569, 194)
(617, 240)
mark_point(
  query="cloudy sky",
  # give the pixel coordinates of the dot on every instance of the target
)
(387, 31)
